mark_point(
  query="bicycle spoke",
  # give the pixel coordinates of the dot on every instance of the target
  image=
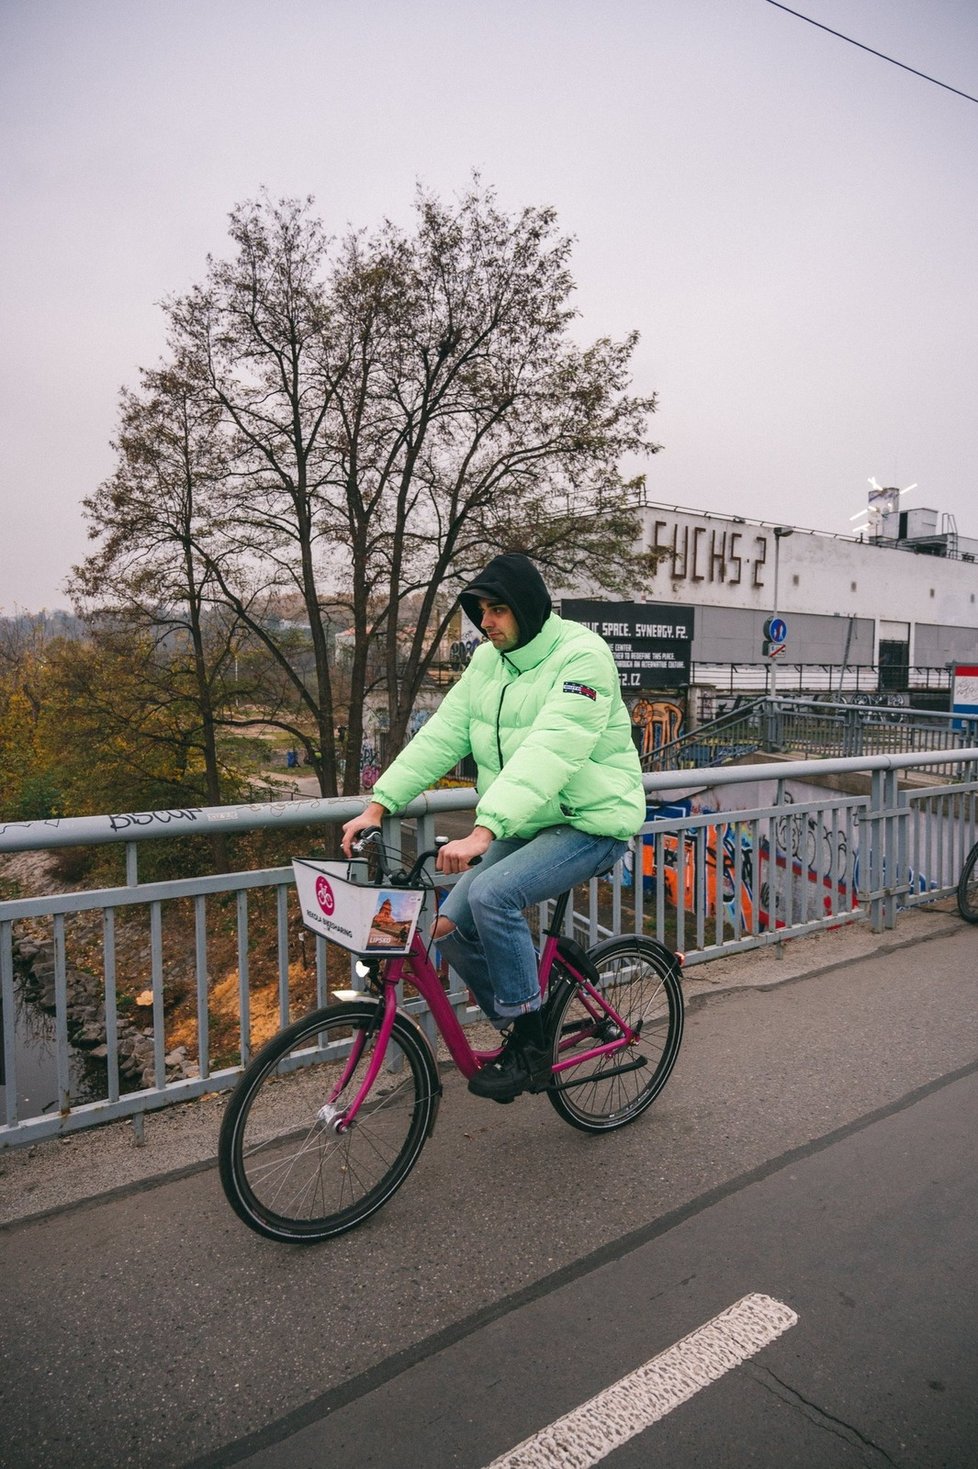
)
(637, 989)
(310, 1181)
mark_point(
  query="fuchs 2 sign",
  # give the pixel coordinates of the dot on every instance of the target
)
(726, 553)
(651, 641)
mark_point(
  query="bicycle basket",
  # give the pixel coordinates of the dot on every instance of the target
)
(366, 920)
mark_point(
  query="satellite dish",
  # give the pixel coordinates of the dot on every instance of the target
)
(883, 500)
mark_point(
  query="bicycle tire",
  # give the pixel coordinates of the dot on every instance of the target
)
(285, 1171)
(640, 979)
(968, 888)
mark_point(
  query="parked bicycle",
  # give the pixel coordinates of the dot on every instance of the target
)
(968, 887)
(331, 1115)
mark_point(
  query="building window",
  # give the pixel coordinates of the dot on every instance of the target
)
(852, 586)
(894, 664)
(795, 580)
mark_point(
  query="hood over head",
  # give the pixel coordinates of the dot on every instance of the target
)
(512, 579)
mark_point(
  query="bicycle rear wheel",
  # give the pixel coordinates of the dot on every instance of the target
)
(968, 887)
(639, 979)
(285, 1169)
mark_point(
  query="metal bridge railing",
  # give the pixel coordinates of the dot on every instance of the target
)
(710, 882)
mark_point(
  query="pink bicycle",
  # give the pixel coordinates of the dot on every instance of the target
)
(331, 1115)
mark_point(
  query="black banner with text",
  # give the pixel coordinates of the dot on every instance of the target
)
(651, 642)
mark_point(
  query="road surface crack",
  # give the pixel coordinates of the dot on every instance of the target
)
(873, 1454)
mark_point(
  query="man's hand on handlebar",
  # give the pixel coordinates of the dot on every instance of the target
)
(372, 815)
(453, 857)
(458, 855)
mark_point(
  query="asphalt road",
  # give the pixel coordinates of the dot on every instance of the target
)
(869, 1240)
(815, 1145)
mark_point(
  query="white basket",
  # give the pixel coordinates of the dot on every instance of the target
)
(366, 920)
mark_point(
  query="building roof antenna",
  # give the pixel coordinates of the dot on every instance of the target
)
(882, 500)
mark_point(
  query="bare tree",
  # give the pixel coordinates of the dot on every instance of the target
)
(387, 412)
(153, 574)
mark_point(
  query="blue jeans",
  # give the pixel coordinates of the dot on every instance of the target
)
(490, 945)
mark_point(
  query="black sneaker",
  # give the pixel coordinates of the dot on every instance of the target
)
(522, 1066)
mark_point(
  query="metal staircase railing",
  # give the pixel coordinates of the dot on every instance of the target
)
(812, 729)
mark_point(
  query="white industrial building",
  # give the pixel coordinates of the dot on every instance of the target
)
(893, 608)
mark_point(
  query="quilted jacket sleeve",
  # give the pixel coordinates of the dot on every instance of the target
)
(439, 745)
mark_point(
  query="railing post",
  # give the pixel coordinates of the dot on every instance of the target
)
(896, 874)
(886, 874)
(8, 1070)
(875, 858)
(969, 734)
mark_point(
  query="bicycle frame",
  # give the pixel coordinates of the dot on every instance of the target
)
(416, 967)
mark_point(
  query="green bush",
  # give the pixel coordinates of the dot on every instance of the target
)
(39, 799)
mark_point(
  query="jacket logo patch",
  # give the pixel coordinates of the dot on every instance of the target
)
(580, 688)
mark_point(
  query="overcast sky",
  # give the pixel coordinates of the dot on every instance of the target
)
(790, 222)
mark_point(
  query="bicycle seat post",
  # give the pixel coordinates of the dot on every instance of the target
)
(555, 926)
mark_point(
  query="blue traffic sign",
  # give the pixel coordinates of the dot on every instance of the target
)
(776, 629)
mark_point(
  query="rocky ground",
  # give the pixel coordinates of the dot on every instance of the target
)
(34, 962)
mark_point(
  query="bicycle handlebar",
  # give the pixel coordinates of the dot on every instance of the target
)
(372, 836)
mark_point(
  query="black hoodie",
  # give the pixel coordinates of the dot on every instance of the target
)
(514, 580)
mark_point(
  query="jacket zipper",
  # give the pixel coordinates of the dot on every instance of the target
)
(499, 742)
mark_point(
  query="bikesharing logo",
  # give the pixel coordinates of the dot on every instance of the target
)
(324, 896)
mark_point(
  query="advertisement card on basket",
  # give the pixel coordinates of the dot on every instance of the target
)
(367, 920)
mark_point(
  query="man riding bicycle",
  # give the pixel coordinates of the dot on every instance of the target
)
(559, 789)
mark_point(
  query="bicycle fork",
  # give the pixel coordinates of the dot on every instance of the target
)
(340, 1119)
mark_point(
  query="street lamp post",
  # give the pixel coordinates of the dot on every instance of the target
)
(780, 531)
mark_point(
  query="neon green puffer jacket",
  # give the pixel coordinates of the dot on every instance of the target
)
(550, 735)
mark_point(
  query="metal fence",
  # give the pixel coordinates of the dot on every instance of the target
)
(808, 678)
(805, 728)
(107, 970)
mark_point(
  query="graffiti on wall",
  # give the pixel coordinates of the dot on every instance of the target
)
(460, 652)
(369, 765)
(707, 855)
(813, 844)
(703, 854)
(736, 869)
(658, 721)
(801, 864)
(371, 748)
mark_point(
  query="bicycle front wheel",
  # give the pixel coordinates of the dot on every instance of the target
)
(286, 1170)
(968, 888)
(639, 980)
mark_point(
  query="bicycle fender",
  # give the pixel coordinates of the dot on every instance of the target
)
(667, 955)
(576, 954)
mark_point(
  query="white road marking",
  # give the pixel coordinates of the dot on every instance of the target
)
(584, 1436)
